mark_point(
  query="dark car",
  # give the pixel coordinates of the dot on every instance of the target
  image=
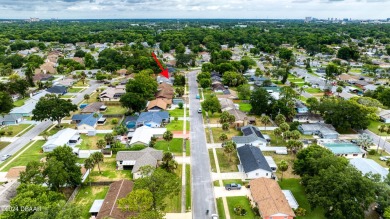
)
(232, 186)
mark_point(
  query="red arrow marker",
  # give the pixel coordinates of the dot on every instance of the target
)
(164, 72)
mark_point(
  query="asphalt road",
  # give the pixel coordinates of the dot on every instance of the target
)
(15, 146)
(383, 144)
(202, 186)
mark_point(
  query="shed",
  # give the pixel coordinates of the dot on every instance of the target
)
(96, 206)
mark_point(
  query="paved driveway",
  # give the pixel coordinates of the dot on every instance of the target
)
(202, 187)
(222, 192)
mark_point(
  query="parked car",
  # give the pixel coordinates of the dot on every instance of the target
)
(198, 96)
(384, 158)
(232, 186)
(214, 216)
(200, 110)
(5, 157)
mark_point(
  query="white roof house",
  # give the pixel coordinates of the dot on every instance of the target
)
(69, 137)
(143, 135)
(368, 166)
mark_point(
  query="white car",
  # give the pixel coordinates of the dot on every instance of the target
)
(384, 158)
(5, 157)
(214, 216)
(200, 110)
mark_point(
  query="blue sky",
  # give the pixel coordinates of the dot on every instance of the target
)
(258, 9)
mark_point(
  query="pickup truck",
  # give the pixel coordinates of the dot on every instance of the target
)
(232, 186)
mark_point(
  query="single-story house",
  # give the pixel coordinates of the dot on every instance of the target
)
(113, 93)
(87, 122)
(153, 119)
(343, 148)
(384, 115)
(10, 119)
(301, 107)
(165, 91)
(57, 89)
(109, 208)
(162, 79)
(218, 87)
(68, 136)
(271, 163)
(134, 160)
(251, 135)
(130, 122)
(158, 104)
(144, 134)
(369, 166)
(370, 87)
(321, 129)
(67, 82)
(42, 77)
(267, 195)
(253, 163)
(94, 108)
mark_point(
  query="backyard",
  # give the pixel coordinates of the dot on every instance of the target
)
(115, 109)
(109, 171)
(89, 142)
(108, 125)
(245, 107)
(244, 203)
(299, 193)
(86, 196)
(278, 158)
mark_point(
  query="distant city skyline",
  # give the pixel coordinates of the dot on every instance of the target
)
(251, 9)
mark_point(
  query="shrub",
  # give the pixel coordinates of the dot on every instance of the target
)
(10, 132)
(238, 210)
(114, 121)
(372, 152)
(300, 211)
(256, 211)
(2, 132)
(180, 105)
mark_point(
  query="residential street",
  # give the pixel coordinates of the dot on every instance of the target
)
(202, 186)
(15, 146)
(375, 137)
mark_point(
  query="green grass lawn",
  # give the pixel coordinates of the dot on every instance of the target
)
(86, 196)
(220, 208)
(75, 90)
(374, 127)
(89, 142)
(275, 141)
(299, 193)
(244, 203)
(377, 155)
(115, 110)
(4, 144)
(188, 187)
(188, 149)
(212, 161)
(173, 203)
(313, 90)
(20, 102)
(108, 171)
(67, 96)
(175, 146)
(177, 125)
(245, 107)
(34, 153)
(80, 84)
(16, 129)
(178, 112)
(224, 164)
(218, 131)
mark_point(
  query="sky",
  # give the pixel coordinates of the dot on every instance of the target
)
(253, 9)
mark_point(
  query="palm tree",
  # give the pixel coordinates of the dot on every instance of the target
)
(168, 136)
(225, 126)
(101, 144)
(278, 134)
(97, 157)
(109, 138)
(282, 166)
(86, 97)
(169, 164)
(381, 129)
(89, 165)
(265, 120)
(229, 149)
(223, 137)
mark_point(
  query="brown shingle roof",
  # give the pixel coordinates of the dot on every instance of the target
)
(165, 91)
(269, 197)
(92, 108)
(159, 102)
(117, 190)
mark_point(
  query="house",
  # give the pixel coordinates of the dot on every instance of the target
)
(67, 82)
(241, 119)
(218, 87)
(253, 163)
(87, 122)
(79, 60)
(370, 87)
(144, 134)
(162, 79)
(165, 91)
(134, 160)
(109, 208)
(308, 118)
(369, 166)
(42, 77)
(68, 137)
(346, 96)
(384, 115)
(29, 105)
(343, 148)
(47, 68)
(301, 107)
(270, 200)
(10, 119)
(251, 136)
(93, 108)
(57, 89)
(130, 122)
(122, 71)
(158, 104)
(113, 93)
(271, 163)
(323, 130)
(153, 119)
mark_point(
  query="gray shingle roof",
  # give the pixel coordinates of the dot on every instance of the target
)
(252, 159)
(9, 118)
(147, 156)
(250, 134)
(57, 89)
(156, 117)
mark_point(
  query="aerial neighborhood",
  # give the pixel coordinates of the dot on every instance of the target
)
(272, 120)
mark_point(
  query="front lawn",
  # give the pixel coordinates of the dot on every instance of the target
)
(212, 161)
(87, 195)
(244, 203)
(116, 109)
(56, 129)
(33, 153)
(20, 102)
(188, 187)
(177, 125)
(16, 129)
(67, 96)
(229, 181)
(4, 144)
(220, 208)
(313, 90)
(374, 125)
(245, 107)
(173, 203)
(224, 164)
(178, 112)
(89, 142)
(218, 131)
(299, 193)
(75, 90)
(175, 146)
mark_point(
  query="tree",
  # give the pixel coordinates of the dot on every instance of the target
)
(244, 91)
(169, 164)
(284, 127)
(97, 157)
(229, 148)
(6, 103)
(265, 120)
(212, 105)
(231, 78)
(278, 133)
(285, 54)
(225, 126)
(223, 137)
(140, 200)
(86, 97)
(279, 119)
(133, 101)
(387, 210)
(101, 144)
(205, 83)
(33, 173)
(339, 90)
(259, 100)
(180, 91)
(365, 141)
(312, 104)
(160, 183)
(53, 108)
(168, 136)
(294, 146)
(109, 138)
(348, 53)
(56, 173)
(283, 167)
(89, 164)
(180, 80)
(331, 71)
